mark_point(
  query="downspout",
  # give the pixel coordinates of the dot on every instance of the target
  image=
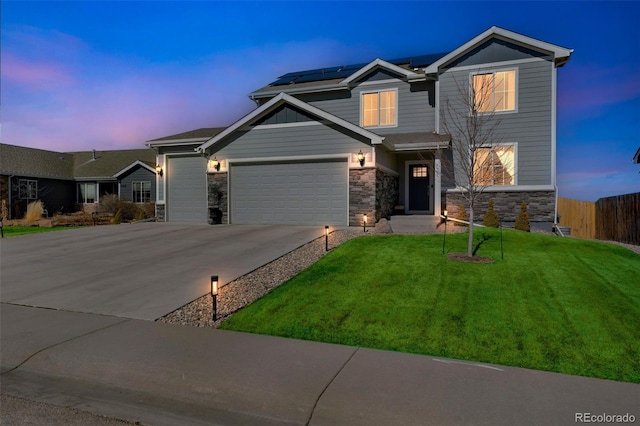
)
(10, 194)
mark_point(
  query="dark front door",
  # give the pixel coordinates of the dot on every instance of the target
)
(419, 198)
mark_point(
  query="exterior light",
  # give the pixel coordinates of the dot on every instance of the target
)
(360, 157)
(326, 238)
(159, 170)
(214, 296)
(216, 164)
(364, 222)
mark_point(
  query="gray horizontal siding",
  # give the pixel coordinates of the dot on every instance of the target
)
(139, 174)
(318, 139)
(529, 127)
(416, 111)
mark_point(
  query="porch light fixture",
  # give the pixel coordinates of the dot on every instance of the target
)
(216, 164)
(444, 240)
(364, 222)
(214, 296)
(326, 238)
(360, 157)
(159, 170)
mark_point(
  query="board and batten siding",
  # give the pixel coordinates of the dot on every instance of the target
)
(278, 142)
(416, 111)
(530, 126)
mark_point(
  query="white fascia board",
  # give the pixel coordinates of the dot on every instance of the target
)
(297, 90)
(174, 142)
(285, 98)
(132, 165)
(382, 64)
(557, 51)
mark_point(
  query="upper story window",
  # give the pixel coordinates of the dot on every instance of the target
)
(28, 189)
(495, 165)
(379, 109)
(141, 192)
(495, 91)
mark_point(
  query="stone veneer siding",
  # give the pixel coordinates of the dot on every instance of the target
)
(219, 180)
(386, 194)
(160, 212)
(362, 195)
(540, 205)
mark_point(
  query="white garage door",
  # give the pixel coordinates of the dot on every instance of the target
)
(187, 189)
(306, 193)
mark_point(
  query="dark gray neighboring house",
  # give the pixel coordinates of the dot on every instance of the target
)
(327, 146)
(63, 181)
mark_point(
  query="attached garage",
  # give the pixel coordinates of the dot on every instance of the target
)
(292, 193)
(186, 189)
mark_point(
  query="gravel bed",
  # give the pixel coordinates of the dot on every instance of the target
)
(252, 286)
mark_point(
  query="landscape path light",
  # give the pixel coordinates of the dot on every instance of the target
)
(326, 238)
(444, 240)
(214, 296)
(364, 222)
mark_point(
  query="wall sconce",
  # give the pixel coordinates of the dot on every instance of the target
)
(326, 238)
(444, 240)
(216, 164)
(159, 170)
(360, 157)
(214, 296)
(364, 222)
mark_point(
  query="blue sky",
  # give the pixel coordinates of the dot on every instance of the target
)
(112, 75)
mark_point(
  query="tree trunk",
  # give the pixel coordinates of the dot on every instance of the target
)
(470, 243)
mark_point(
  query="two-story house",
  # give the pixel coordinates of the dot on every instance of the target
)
(327, 146)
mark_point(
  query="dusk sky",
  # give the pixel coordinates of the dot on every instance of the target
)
(112, 75)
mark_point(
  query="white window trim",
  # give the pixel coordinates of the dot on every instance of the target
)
(366, 92)
(95, 193)
(515, 164)
(493, 71)
(133, 191)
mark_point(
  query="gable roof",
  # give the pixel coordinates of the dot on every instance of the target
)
(109, 164)
(33, 162)
(276, 102)
(40, 163)
(560, 54)
(636, 158)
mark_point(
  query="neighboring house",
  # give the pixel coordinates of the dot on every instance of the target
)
(326, 146)
(636, 157)
(64, 180)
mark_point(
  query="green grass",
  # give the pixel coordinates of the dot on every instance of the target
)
(13, 231)
(563, 305)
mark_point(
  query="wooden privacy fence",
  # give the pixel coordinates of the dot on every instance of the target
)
(618, 218)
(580, 216)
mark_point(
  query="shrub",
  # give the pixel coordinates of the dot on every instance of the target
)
(522, 221)
(462, 215)
(117, 219)
(491, 218)
(34, 211)
(109, 203)
(4, 215)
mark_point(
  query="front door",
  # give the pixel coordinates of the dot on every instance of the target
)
(419, 188)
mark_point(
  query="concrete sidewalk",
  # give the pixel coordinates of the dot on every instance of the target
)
(166, 374)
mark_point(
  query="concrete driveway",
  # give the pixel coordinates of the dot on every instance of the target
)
(141, 271)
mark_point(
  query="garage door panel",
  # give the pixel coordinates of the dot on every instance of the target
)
(186, 189)
(310, 193)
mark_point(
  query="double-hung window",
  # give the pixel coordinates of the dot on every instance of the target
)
(379, 109)
(28, 189)
(141, 192)
(495, 91)
(495, 165)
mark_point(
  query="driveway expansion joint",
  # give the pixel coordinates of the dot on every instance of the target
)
(329, 384)
(39, 351)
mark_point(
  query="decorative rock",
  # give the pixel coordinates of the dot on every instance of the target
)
(383, 227)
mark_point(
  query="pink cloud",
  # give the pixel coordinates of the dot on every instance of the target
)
(33, 75)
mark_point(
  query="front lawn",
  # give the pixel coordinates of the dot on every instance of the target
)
(12, 231)
(563, 305)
